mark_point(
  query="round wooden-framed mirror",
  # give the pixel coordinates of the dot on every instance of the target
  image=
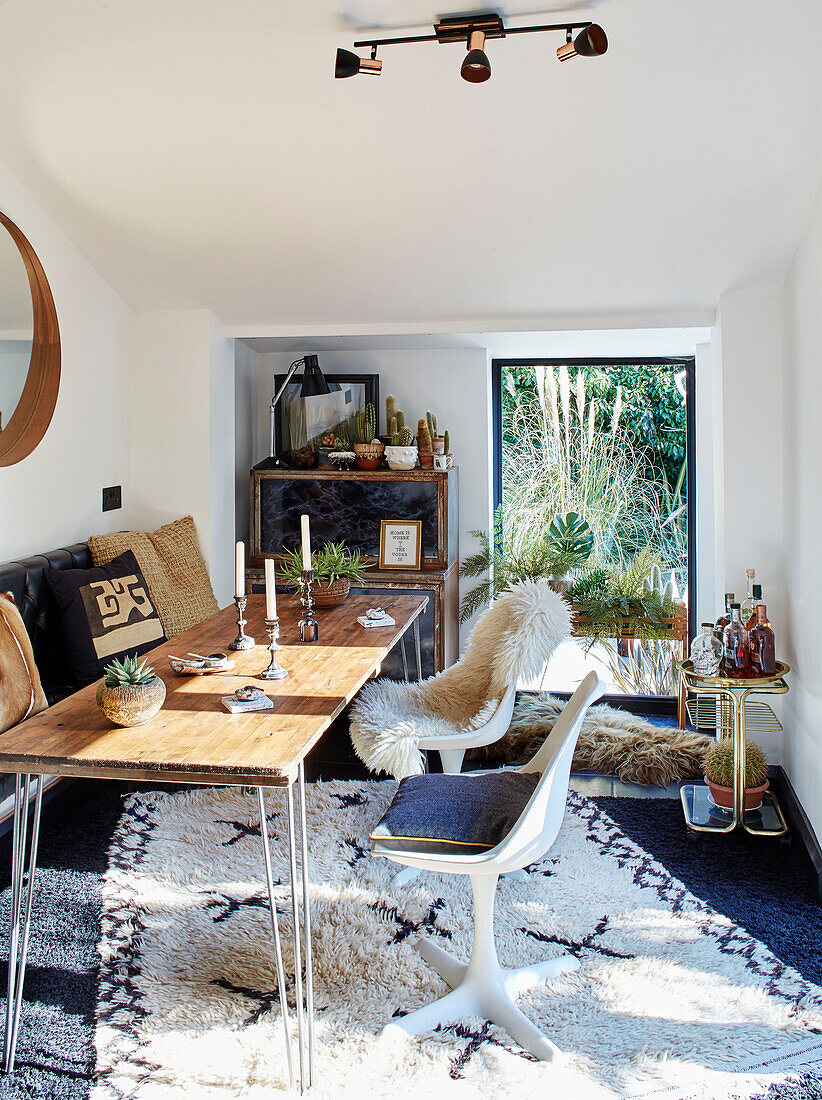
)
(29, 347)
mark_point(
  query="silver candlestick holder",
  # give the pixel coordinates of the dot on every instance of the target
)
(243, 640)
(309, 629)
(273, 672)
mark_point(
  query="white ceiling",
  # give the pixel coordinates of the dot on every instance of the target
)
(201, 154)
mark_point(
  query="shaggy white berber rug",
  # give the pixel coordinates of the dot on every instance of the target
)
(672, 999)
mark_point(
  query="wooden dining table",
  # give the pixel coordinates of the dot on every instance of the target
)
(193, 739)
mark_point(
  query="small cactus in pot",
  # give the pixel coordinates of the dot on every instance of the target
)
(424, 443)
(720, 763)
(130, 693)
(401, 454)
(367, 448)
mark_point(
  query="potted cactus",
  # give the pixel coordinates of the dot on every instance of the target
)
(392, 412)
(719, 774)
(367, 448)
(130, 693)
(401, 454)
(437, 440)
(424, 444)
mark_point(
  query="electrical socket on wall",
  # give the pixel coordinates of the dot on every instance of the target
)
(112, 498)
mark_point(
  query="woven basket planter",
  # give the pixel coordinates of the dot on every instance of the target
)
(369, 455)
(131, 705)
(331, 595)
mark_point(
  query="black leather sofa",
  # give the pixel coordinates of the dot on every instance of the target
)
(26, 580)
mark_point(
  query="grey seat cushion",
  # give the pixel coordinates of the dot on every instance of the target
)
(461, 814)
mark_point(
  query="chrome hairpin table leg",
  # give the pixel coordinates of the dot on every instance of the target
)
(20, 908)
(309, 975)
(404, 656)
(417, 646)
(275, 929)
(306, 1079)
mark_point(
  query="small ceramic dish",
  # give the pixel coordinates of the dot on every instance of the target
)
(201, 666)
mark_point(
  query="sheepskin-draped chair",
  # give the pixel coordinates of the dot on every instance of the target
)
(391, 722)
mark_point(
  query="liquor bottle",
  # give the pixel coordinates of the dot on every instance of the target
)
(736, 657)
(761, 645)
(749, 603)
(706, 652)
(723, 620)
(750, 620)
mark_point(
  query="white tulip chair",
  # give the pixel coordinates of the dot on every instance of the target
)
(482, 987)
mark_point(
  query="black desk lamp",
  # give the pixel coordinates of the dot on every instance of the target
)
(313, 385)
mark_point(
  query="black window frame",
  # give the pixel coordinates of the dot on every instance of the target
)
(688, 362)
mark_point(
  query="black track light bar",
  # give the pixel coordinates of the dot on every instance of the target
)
(473, 31)
(457, 30)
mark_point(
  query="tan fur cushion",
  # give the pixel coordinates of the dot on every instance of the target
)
(173, 567)
(21, 693)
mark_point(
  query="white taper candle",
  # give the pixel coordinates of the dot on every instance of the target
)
(306, 533)
(270, 590)
(239, 563)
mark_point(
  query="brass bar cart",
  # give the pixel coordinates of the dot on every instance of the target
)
(722, 704)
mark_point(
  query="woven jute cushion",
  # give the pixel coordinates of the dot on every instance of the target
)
(21, 693)
(173, 567)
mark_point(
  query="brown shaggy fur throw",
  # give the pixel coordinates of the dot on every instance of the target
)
(612, 742)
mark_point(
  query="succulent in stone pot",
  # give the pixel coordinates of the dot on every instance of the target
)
(130, 693)
(719, 773)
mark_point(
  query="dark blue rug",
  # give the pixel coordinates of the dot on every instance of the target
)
(55, 1051)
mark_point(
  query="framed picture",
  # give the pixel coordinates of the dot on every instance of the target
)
(400, 543)
(355, 392)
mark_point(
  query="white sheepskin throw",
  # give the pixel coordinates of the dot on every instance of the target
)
(512, 640)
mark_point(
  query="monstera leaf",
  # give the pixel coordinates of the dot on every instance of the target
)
(570, 538)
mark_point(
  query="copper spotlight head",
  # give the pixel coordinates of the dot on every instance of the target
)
(350, 64)
(476, 67)
(590, 42)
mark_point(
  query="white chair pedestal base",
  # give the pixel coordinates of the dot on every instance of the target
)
(482, 987)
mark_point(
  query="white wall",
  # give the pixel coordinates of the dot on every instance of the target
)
(802, 487)
(452, 382)
(749, 340)
(182, 429)
(53, 497)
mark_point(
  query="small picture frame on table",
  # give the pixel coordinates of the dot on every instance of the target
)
(400, 544)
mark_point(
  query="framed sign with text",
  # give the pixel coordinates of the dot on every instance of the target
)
(400, 544)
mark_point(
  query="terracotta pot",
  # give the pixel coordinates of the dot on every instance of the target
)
(369, 455)
(426, 459)
(724, 796)
(131, 705)
(331, 595)
(438, 444)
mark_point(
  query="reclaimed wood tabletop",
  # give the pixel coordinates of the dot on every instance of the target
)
(193, 739)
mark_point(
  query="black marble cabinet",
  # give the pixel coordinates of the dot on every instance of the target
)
(349, 505)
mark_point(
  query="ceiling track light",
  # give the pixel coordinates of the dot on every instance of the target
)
(474, 30)
(349, 64)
